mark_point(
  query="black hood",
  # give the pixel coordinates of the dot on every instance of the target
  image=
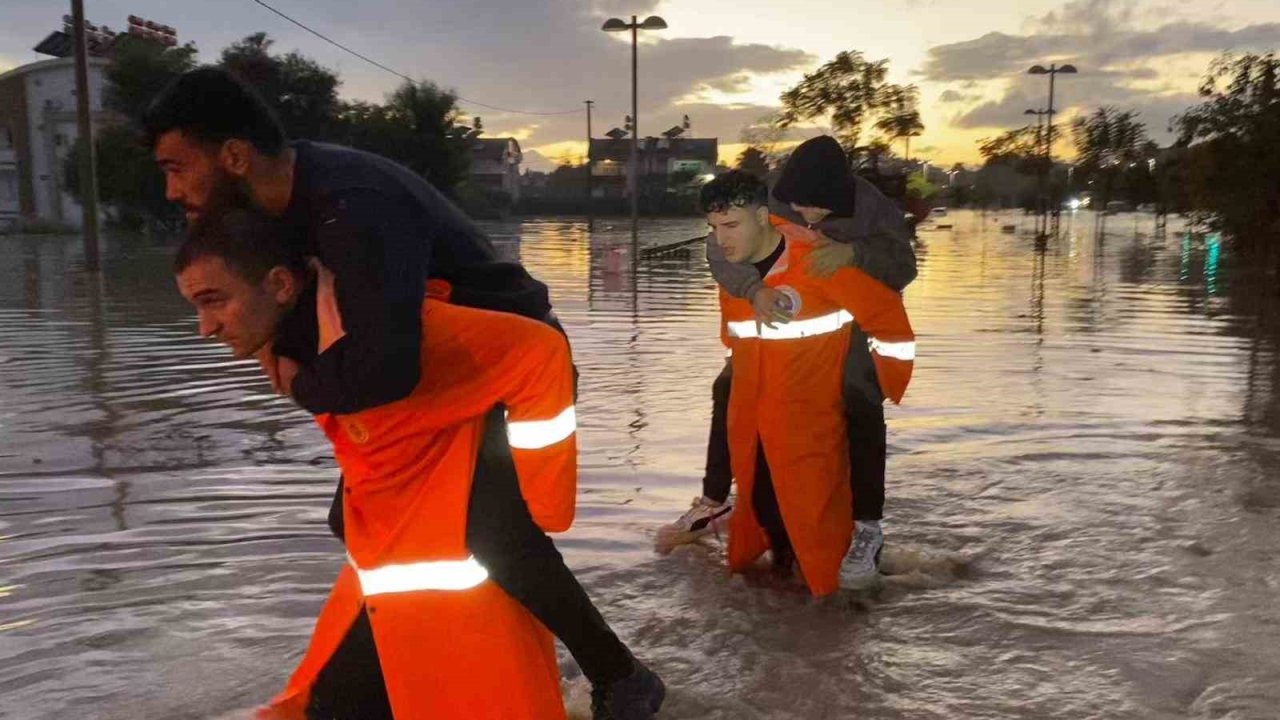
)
(817, 174)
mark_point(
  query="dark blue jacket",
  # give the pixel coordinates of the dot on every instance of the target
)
(383, 230)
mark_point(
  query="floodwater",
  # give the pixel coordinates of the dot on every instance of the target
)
(1083, 516)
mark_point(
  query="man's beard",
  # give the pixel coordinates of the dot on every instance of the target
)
(227, 193)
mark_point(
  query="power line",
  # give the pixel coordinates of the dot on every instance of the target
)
(393, 71)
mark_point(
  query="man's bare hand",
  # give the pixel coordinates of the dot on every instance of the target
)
(767, 304)
(828, 256)
(327, 306)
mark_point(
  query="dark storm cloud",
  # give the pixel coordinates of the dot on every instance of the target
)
(545, 55)
(1094, 34)
(1103, 39)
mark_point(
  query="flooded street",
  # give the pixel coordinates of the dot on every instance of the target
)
(1083, 510)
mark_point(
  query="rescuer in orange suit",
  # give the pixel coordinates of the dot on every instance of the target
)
(413, 627)
(787, 434)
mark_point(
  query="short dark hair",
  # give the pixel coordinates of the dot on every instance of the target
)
(733, 189)
(212, 106)
(250, 242)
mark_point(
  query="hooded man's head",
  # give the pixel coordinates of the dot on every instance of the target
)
(816, 180)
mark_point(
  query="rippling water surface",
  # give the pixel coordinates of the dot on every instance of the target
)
(1084, 489)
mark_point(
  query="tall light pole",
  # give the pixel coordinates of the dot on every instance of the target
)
(1039, 122)
(653, 22)
(591, 220)
(1041, 192)
(1052, 72)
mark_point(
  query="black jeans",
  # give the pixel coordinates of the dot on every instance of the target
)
(864, 414)
(524, 562)
(764, 500)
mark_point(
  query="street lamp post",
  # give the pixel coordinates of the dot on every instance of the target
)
(1039, 122)
(653, 22)
(1052, 71)
(1040, 138)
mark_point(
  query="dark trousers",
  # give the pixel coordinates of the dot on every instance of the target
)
(524, 562)
(864, 414)
(764, 499)
(350, 685)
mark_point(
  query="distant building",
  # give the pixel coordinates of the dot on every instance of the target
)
(661, 161)
(38, 124)
(495, 164)
(100, 40)
(38, 128)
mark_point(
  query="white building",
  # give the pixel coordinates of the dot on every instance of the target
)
(495, 164)
(38, 129)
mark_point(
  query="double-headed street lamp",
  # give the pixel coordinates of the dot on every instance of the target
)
(1042, 201)
(653, 22)
(1039, 122)
(1052, 71)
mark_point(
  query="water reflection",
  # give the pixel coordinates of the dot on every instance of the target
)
(1212, 255)
(1083, 503)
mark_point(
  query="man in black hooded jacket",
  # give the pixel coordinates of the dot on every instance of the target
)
(864, 229)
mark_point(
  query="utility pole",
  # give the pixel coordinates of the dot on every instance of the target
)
(635, 147)
(591, 220)
(88, 163)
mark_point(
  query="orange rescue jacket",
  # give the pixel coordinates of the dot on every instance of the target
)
(450, 642)
(786, 394)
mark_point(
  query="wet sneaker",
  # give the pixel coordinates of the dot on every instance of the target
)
(635, 697)
(861, 567)
(704, 516)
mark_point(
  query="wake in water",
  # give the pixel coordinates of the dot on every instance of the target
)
(902, 568)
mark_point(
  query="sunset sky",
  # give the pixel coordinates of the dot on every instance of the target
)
(725, 63)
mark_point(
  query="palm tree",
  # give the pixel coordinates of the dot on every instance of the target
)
(850, 88)
(902, 116)
(905, 126)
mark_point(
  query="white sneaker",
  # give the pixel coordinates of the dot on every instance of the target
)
(704, 516)
(861, 567)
